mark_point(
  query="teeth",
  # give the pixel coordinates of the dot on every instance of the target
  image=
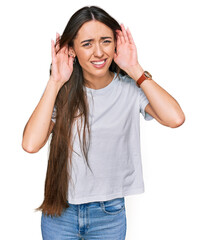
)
(98, 63)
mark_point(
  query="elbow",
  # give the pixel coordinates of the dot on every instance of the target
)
(29, 147)
(178, 122)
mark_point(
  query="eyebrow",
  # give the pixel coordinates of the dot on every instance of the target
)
(90, 40)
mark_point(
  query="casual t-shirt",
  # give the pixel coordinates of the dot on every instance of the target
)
(114, 154)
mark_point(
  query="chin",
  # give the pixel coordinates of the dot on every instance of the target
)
(97, 72)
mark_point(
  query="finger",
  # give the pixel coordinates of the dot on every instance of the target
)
(53, 53)
(124, 33)
(117, 33)
(66, 50)
(118, 43)
(62, 50)
(51, 48)
(130, 36)
(70, 61)
(115, 55)
(57, 44)
(120, 36)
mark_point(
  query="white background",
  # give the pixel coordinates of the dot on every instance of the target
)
(171, 41)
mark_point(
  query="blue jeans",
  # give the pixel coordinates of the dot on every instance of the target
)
(105, 220)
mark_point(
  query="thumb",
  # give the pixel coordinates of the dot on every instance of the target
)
(70, 61)
(115, 56)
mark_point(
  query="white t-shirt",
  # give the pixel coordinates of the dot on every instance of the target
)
(114, 154)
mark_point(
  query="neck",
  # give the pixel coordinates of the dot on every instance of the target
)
(98, 82)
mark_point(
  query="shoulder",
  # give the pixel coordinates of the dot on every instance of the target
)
(126, 79)
(128, 82)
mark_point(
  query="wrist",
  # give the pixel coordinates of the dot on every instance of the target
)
(54, 84)
(135, 72)
(145, 76)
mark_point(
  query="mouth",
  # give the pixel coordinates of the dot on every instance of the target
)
(99, 64)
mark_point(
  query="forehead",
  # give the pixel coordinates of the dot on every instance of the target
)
(93, 29)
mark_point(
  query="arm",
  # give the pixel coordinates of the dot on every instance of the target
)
(162, 106)
(39, 125)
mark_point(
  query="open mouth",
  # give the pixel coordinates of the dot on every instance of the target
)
(99, 64)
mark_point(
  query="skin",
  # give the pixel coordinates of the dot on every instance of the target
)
(162, 106)
(95, 50)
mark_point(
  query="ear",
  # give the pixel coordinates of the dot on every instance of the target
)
(115, 46)
(72, 52)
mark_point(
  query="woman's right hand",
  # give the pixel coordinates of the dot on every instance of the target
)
(62, 63)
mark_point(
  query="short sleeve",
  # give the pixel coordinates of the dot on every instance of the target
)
(143, 103)
(54, 115)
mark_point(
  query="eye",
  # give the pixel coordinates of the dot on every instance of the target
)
(107, 41)
(86, 44)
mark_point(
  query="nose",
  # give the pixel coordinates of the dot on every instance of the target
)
(98, 51)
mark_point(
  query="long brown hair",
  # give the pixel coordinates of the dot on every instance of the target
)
(71, 102)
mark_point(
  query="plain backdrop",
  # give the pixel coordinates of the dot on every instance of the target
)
(171, 41)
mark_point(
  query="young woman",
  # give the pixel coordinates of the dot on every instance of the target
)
(91, 105)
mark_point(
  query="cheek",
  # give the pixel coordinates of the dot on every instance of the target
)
(111, 49)
(83, 55)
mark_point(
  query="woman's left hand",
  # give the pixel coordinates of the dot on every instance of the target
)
(126, 52)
